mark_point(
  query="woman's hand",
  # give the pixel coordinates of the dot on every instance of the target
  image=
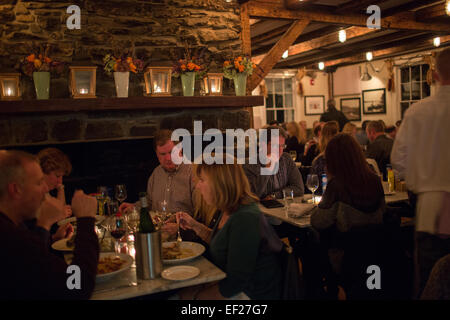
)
(186, 221)
(67, 211)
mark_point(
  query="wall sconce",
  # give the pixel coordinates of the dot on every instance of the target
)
(157, 81)
(9, 86)
(213, 84)
(82, 82)
(366, 76)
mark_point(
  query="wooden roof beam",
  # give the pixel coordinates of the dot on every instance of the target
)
(431, 12)
(404, 20)
(245, 32)
(275, 53)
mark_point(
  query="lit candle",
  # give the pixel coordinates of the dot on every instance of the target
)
(84, 91)
(157, 88)
(9, 92)
(213, 88)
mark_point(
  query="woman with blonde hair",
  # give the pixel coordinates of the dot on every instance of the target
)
(239, 243)
(329, 130)
(350, 129)
(297, 139)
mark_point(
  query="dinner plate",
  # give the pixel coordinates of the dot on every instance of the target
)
(61, 245)
(125, 266)
(196, 248)
(180, 273)
(98, 219)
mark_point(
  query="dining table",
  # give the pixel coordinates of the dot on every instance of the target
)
(126, 285)
(304, 221)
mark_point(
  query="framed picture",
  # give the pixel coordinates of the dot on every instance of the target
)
(374, 101)
(314, 105)
(351, 107)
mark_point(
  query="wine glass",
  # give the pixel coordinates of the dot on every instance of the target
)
(312, 182)
(121, 192)
(132, 218)
(118, 231)
(293, 154)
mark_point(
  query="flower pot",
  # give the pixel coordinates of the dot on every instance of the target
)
(188, 83)
(121, 80)
(240, 83)
(42, 84)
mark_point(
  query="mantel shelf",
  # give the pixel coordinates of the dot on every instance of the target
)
(123, 104)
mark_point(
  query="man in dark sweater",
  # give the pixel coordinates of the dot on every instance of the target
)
(29, 269)
(334, 114)
(380, 146)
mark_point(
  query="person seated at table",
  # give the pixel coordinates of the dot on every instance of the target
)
(168, 182)
(329, 130)
(242, 243)
(287, 177)
(350, 129)
(55, 164)
(297, 139)
(30, 270)
(311, 150)
(380, 146)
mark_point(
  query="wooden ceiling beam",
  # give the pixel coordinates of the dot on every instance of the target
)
(317, 43)
(431, 12)
(245, 32)
(275, 53)
(404, 20)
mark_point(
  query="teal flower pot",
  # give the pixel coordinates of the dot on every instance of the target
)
(188, 83)
(240, 83)
(42, 84)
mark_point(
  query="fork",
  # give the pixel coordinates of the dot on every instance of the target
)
(179, 235)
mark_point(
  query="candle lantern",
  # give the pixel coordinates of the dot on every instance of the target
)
(82, 82)
(213, 84)
(158, 81)
(9, 86)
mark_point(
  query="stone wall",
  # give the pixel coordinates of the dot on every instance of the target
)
(118, 125)
(158, 29)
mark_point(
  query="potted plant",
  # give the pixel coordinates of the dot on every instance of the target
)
(120, 66)
(188, 69)
(38, 65)
(238, 69)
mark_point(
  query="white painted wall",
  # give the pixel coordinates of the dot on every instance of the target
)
(320, 87)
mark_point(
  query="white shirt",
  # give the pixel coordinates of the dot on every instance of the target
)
(421, 155)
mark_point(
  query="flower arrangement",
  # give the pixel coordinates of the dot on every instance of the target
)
(40, 61)
(123, 63)
(237, 65)
(189, 64)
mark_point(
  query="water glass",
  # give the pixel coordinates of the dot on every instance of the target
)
(288, 197)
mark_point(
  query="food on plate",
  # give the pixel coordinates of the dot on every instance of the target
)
(174, 251)
(109, 264)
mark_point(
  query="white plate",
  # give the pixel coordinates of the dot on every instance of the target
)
(98, 219)
(61, 245)
(128, 262)
(180, 273)
(196, 248)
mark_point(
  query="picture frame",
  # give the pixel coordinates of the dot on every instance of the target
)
(374, 101)
(351, 107)
(314, 105)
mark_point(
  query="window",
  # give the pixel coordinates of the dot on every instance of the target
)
(414, 86)
(280, 100)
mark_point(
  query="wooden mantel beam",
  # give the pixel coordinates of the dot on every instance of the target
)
(320, 42)
(404, 20)
(274, 55)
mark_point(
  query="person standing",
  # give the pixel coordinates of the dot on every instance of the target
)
(421, 156)
(334, 114)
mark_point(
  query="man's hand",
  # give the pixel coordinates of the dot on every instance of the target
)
(63, 232)
(67, 211)
(51, 211)
(83, 205)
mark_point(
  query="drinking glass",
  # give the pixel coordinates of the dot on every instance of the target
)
(293, 154)
(288, 197)
(118, 231)
(113, 208)
(121, 193)
(132, 219)
(312, 183)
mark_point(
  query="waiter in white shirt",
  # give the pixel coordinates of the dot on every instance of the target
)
(421, 155)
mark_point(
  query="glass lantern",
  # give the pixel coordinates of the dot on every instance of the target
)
(83, 82)
(158, 81)
(213, 84)
(9, 86)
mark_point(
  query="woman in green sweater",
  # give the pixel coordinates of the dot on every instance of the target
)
(241, 243)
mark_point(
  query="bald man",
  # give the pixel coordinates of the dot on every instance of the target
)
(421, 155)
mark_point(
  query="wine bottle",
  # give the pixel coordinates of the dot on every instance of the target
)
(146, 223)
